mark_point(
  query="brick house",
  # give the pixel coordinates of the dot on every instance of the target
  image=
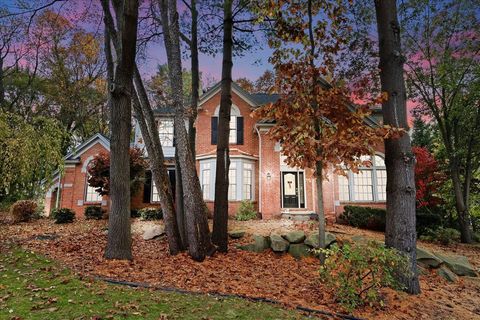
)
(257, 172)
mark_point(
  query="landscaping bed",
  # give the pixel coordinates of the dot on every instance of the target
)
(269, 275)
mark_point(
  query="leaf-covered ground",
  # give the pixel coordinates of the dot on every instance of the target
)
(33, 287)
(80, 246)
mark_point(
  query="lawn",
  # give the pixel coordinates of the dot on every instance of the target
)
(34, 287)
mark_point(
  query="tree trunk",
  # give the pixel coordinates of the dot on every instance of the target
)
(400, 230)
(461, 206)
(320, 208)
(192, 131)
(119, 244)
(179, 201)
(2, 88)
(220, 212)
(198, 234)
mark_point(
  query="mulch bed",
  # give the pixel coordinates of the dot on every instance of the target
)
(277, 277)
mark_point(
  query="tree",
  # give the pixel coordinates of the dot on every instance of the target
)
(99, 171)
(315, 121)
(265, 83)
(30, 152)
(399, 158)
(198, 234)
(246, 84)
(428, 178)
(119, 236)
(220, 214)
(443, 74)
(149, 130)
(422, 135)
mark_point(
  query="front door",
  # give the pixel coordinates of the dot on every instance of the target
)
(290, 189)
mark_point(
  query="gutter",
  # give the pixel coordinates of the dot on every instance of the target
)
(259, 169)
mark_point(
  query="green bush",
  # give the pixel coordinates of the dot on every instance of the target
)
(357, 272)
(364, 217)
(476, 236)
(94, 212)
(63, 215)
(426, 221)
(23, 210)
(148, 214)
(442, 235)
(246, 211)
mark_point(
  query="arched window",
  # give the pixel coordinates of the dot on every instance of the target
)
(368, 185)
(236, 124)
(91, 195)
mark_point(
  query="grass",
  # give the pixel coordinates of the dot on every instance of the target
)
(34, 287)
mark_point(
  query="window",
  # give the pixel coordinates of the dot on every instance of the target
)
(206, 181)
(232, 139)
(91, 195)
(247, 181)
(232, 181)
(369, 184)
(165, 132)
(155, 197)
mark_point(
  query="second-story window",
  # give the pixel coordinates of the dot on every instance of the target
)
(232, 138)
(165, 131)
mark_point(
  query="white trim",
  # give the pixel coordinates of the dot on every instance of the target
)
(216, 88)
(260, 205)
(82, 148)
(85, 163)
(236, 156)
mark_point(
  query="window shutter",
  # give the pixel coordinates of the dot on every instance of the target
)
(147, 187)
(214, 129)
(239, 130)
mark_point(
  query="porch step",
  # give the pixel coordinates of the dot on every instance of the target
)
(300, 215)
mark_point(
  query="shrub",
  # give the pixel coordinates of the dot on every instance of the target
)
(63, 215)
(94, 212)
(246, 211)
(357, 272)
(476, 236)
(23, 210)
(364, 217)
(427, 220)
(148, 214)
(442, 235)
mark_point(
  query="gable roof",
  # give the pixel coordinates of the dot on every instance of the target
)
(74, 155)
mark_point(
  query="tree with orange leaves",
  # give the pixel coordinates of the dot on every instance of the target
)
(315, 120)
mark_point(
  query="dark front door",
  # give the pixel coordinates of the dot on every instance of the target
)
(290, 189)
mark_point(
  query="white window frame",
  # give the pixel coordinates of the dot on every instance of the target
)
(237, 165)
(377, 195)
(232, 182)
(247, 181)
(166, 131)
(154, 196)
(90, 194)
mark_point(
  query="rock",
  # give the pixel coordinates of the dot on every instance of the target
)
(278, 244)
(261, 242)
(295, 236)
(428, 259)
(247, 247)
(299, 250)
(458, 264)
(448, 275)
(236, 234)
(313, 240)
(358, 238)
(153, 231)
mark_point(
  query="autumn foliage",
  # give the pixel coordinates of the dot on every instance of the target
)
(428, 178)
(99, 171)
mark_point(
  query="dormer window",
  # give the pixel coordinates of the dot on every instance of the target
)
(165, 132)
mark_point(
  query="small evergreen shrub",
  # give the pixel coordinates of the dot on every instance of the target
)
(357, 272)
(94, 212)
(148, 214)
(23, 210)
(364, 217)
(476, 236)
(426, 221)
(63, 215)
(442, 235)
(246, 211)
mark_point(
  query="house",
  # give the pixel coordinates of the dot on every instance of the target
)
(257, 172)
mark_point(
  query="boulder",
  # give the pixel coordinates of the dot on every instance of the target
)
(278, 244)
(358, 238)
(261, 242)
(295, 236)
(236, 234)
(428, 259)
(247, 247)
(313, 240)
(448, 275)
(299, 250)
(153, 231)
(458, 264)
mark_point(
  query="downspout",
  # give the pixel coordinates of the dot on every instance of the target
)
(259, 169)
(59, 186)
